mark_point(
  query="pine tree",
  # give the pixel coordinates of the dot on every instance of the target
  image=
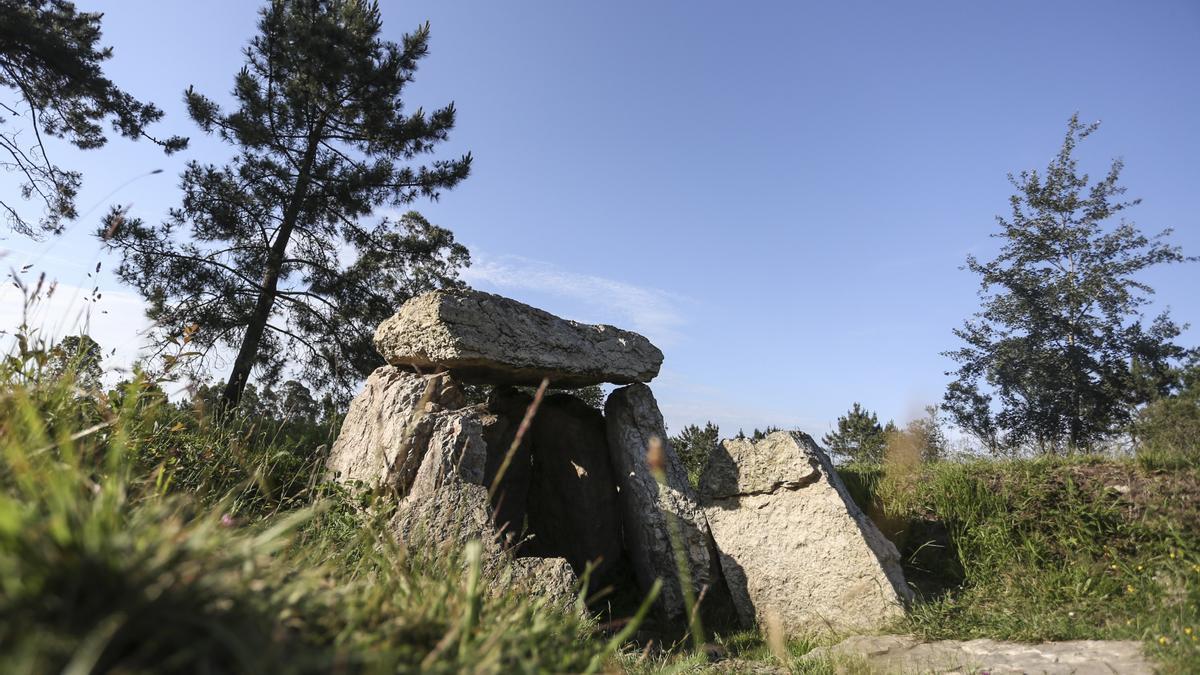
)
(50, 59)
(859, 436)
(1059, 356)
(693, 445)
(271, 254)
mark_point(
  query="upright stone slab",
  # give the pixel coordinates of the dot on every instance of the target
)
(485, 338)
(650, 509)
(409, 432)
(383, 437)
(792, 541)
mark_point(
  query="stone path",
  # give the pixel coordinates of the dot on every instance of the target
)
(902, 654)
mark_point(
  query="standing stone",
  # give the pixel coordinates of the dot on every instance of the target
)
(650, 508)
(400, 433)
(792, 541)
(458, 513)
(485, 338)
(382, 440)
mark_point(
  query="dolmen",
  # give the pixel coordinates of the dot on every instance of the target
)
(570, 492)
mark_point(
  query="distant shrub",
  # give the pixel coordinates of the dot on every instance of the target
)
(693, 446)
(1168, 430)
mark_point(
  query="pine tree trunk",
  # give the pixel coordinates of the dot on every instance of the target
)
(248, 351)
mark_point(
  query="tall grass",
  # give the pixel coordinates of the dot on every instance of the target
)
(136, 539)
(1049, 549)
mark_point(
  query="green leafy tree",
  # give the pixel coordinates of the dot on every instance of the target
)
(272, 254)
(78, 357)
(693, 445)
(50, 59)
(1060, 355)
(1168, 429)
(927, 435)
(295, 401)
(859, 436)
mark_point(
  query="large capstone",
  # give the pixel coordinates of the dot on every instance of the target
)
(658, 517)
(485, 338)
(793, 544)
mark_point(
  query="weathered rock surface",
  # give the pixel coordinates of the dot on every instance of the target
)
(386, 422)
(399, 432)
(649, 508)
(480, 337)
(459, 513)
(903, 654)
(747, 468)
(793, 543)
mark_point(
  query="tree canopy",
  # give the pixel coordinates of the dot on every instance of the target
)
(859, 436)
(51, 57)
(79, 357)
(1060, 355)
(694, 445)
(279, 253)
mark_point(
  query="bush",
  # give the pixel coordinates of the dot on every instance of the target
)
(1168, 430)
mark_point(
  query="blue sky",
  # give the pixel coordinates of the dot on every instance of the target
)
(780, 195)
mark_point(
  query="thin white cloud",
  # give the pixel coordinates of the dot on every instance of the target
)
(654, 312)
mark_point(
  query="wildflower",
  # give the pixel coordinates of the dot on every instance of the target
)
(1140, 568)
(1162, 640)
(1130, 589)
(226, 520)
(1172, 554)
(1187, 630)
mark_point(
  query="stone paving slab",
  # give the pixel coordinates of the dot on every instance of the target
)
(903, 655)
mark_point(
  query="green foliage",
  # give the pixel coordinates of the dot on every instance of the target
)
(272, 254)
(78, 358)
(1058, 357)
(693, 446)
(1047, 549)
(923, 436)
(50, 60)
(859, 436)
(1168, 429)
(759, 434)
